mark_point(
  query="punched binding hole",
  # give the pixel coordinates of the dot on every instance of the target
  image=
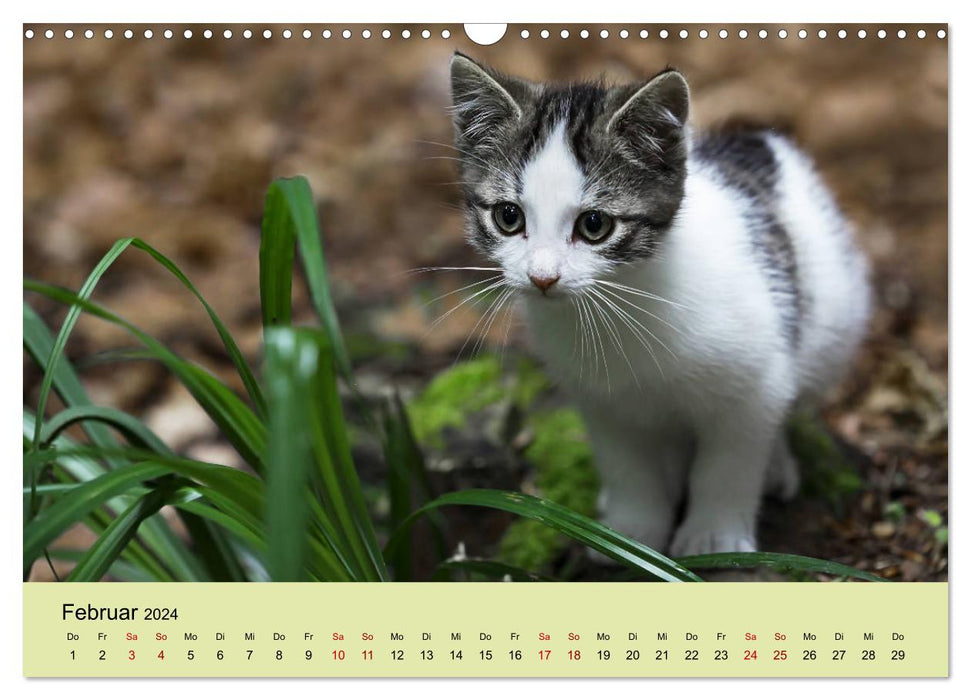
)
(485, 34)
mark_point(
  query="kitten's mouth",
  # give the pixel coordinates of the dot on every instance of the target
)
(554, 294)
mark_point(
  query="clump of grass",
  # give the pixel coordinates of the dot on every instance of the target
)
(299, 512)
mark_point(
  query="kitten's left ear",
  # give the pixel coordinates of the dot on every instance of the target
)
(653, 117)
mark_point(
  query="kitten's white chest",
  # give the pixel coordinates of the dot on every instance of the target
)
(608, 347)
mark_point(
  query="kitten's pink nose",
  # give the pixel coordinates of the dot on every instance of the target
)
(543, 283)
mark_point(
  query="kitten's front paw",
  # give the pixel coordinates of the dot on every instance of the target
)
(691, 539)
(652, 528)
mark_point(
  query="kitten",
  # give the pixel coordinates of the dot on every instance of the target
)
(687, 288)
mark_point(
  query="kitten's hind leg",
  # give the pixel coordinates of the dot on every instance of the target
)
(782, 477)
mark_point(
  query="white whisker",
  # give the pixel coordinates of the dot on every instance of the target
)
(584, 335)
(633, 325)
(479, 322)
(437, 321)
(416, 270)
(596, 334)
(639, 292)
(462, 289)
(510, 314)
(579, 339)
(492, 318)
(643, 310)
(614, 335)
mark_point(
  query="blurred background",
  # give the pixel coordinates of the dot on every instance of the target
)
(176, 140)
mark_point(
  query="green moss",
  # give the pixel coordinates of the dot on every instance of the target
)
(828, 474)
(530, 383)
(453, 395)
(529, 545)
(563, 460)
(565, 473)
(558, 452)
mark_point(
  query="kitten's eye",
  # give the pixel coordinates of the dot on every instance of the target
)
(509, 218)
(594, 226)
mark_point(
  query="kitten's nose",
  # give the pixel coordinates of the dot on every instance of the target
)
(543, 283)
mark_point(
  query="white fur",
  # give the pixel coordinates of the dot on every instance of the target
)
(552, 198)
(700, 413)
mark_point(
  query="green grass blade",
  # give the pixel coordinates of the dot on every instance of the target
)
(135, 554)
(494, 570)
(337, 476)
(107, 549)
(407, 478)
(309, 446)
(137, 433)
(289, 217)
(277, 243)
(239, 496)
(39, 343)
(120, 569)
(52, 361)
(580, 528)
(55, 358)
(235, 354)
(236, 420)
(242, 489)
(51, 489)
(171, 553)
(156, 532)
(225, 513)
(291, 363)
(213, 548)
(154, 560)
(60, 342)
(777, 562)
(216, 509)
(85, 498)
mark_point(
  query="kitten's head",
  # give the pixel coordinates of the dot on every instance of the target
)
(563, 182)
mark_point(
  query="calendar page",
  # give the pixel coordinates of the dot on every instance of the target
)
(520, 350)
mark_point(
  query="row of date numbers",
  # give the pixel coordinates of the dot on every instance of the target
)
(542, 654)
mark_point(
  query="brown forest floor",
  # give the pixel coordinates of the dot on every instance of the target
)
(175, 141)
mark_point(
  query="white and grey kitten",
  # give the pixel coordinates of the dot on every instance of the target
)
(688, 288)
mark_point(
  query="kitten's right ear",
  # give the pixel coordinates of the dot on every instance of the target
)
(483, 99)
